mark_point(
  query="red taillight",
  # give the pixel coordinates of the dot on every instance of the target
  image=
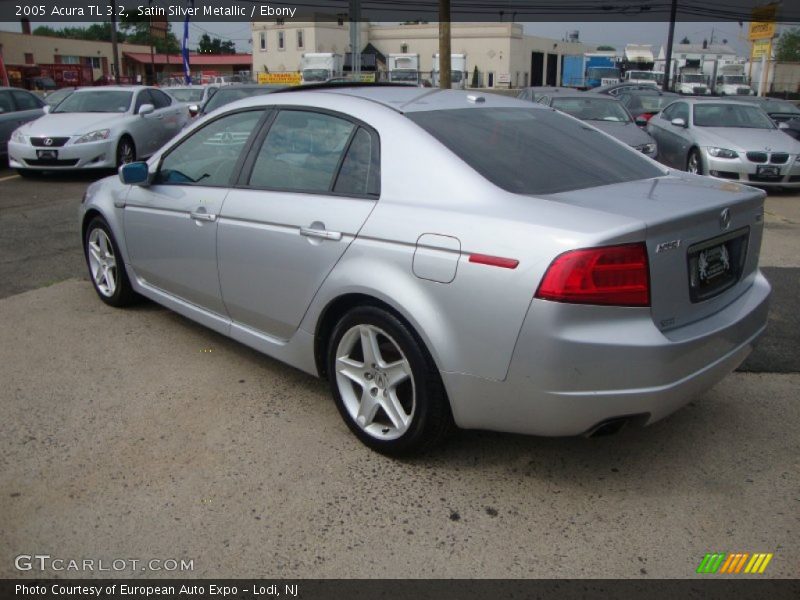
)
(647, 116)
(616, 275)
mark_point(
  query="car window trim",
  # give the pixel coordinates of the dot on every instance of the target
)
(243, 179)
(245, 149)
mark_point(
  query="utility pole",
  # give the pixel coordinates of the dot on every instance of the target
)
(114, 48)
(355, 38)
(668, 63)
(444, 44)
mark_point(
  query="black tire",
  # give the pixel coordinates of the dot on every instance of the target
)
(122, 294)
(694, 154)
(29, 173)
(430, 420)
(126, 151)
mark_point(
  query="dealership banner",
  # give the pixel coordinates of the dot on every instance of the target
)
(406, 589)
(401, 11)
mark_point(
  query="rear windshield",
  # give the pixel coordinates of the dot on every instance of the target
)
(534, 151)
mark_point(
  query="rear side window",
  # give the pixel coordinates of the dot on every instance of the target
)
(360, 172)
(301, 152)
(534, 151)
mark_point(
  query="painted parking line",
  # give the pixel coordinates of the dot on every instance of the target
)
(9, 177)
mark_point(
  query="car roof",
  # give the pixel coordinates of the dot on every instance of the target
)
(405, 99)
(111, 88)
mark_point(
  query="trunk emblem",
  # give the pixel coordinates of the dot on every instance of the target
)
(664, 246)
(725, 218)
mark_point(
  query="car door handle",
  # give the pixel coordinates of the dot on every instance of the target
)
(320, 233)
(203, 216)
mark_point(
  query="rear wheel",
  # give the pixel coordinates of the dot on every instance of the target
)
(694, 163)
(385, 383)
(126, 151)
(106, 268)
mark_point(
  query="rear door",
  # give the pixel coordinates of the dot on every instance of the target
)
(306, 189)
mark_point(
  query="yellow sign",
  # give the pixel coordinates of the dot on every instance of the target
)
(763, 25)
(288, 78)
(761, 49)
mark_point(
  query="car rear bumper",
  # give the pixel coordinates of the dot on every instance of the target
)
(575, 367)
(91, 155)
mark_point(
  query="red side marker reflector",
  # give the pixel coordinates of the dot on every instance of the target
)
(494, 261)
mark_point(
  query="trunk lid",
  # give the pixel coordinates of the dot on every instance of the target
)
(703, 239)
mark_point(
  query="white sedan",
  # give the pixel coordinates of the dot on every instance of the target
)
(97, 128)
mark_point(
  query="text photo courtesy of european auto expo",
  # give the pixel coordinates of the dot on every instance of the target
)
(381, 299)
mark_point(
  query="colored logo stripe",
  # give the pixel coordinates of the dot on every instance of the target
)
(721, 562)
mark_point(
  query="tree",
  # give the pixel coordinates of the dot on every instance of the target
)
(209, 45)
(95, 32)
(475, 76)
(686, 40)
(606, 49)
(137, 31)
(788, 47)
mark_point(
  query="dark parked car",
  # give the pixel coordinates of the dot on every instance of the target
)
(646, 103)
(231, 93)
(777, 109)
(16, 108)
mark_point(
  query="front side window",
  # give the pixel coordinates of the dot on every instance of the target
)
(142, 99)
(301, 152)
(533, 150)
(208, 156)
(160, 99)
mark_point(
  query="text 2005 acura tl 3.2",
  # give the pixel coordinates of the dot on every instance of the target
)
(442, 258)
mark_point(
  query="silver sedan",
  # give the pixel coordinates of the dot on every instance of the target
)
(439, 258)
(96, 128)
(726, 139)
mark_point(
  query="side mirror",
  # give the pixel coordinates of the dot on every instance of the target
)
(46, 109)
(640, 121)
(678, 122)
(193, 110)
(783, 125)
(135, 173)
(146, 109)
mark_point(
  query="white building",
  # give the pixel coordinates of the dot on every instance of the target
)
(503, 54)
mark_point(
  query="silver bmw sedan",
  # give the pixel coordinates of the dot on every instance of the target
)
(442, 258)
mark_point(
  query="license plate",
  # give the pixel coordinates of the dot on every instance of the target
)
(47, 154)
(713, 263)
(768, 171)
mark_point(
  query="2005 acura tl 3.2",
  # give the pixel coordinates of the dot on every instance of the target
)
(442, 258)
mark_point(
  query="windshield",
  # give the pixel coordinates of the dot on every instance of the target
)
(186, 94)
(227, 95)
(592, 109)
(647, 103)
(315, 74)
(731, 115)
(603, 72)
(642, 75)
(693, 78)
(404, 75)
(96, 101)
(534, 151)
(780, 106)
(734, 79)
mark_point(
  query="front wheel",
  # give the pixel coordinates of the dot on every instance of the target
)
(126, 151)
(385, 383)
(106, 267)
(694, 163)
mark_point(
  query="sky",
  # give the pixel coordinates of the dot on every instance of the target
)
(616, 34)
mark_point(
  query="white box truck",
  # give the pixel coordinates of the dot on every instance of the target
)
(731, 81)
(404, 68)
(316, 67)
(458, 71)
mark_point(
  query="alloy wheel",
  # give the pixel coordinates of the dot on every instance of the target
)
(125, 152)
(102, 262)
(694, 165)
(376, 383)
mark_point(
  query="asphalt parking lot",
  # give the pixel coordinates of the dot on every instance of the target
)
(139, 435)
